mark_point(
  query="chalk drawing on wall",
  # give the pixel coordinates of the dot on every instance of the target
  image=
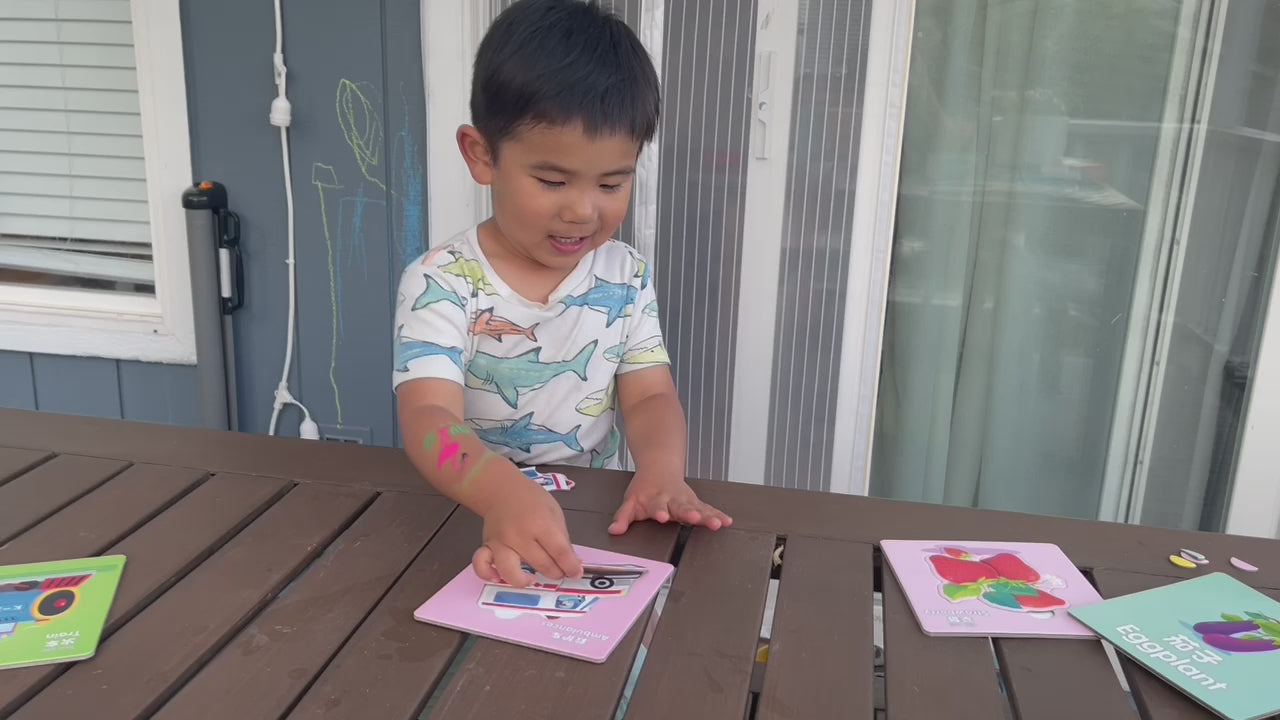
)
(407, 190)
(325, 178)
(357, 106)
(361, 125)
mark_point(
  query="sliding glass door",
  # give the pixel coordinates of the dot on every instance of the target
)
(994, 253)
(1082, 256)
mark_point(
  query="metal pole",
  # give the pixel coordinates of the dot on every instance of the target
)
(202, 203)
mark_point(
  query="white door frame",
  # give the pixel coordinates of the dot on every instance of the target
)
(874, 208)
(871, 241)
(451, 32)
(777, 33)
(1254, 503)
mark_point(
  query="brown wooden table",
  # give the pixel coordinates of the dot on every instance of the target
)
(273, 578)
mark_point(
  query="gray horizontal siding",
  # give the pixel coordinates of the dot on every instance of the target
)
(100, 388)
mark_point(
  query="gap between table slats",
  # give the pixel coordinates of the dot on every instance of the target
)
(141, 666)
(15, 461)
(699, 664)
(47, 488)
(533, 681)
(821, 649)
(1061, 679)
(393, 663)
(157, 554)
(272, 661)
(95, 521)
(952, 678)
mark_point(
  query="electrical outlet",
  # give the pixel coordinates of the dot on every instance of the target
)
(345, 434)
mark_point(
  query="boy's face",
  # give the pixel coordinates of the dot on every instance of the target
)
(557, 193)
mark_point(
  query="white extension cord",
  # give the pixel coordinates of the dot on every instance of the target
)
(282, 116)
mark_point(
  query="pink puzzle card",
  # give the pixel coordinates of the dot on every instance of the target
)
(991, 589)
(583, 618)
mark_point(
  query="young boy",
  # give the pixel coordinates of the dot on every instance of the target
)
(518, 339)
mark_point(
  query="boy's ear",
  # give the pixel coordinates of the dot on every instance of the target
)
(475, 152)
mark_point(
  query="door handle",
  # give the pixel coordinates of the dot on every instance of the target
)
(762, 104)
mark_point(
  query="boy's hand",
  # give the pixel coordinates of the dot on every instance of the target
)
(651, 497)
(528, 526)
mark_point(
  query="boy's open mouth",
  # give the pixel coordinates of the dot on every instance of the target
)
(567, 245)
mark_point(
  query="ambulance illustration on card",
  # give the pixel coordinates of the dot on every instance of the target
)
(554, 599)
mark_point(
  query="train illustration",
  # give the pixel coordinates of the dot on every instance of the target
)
(37, 601)
(554, 599)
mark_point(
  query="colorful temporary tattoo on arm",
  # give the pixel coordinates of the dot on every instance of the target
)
(450, 450)
(475, 469)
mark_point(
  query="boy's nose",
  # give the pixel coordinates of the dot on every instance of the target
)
(579, 211)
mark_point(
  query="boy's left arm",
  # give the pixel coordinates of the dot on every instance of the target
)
(655, 426)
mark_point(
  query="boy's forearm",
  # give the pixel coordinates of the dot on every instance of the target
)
(456, 462)
(656, 435)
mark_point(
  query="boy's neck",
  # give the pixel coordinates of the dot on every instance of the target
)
(532, 281)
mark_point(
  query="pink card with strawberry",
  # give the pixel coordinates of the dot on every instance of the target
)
(998, 589)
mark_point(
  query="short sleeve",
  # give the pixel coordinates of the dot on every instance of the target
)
(430, 325)
(644, 345)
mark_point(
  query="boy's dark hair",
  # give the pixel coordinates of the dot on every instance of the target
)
(559, 62)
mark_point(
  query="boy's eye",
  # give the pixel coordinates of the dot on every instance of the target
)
(611, 188)
(551, 183)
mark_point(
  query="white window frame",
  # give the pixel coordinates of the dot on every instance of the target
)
(68, 321)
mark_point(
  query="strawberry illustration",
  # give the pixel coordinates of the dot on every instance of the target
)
(1040, 601)
(957, 553)
(1011, 567)
(960, 572)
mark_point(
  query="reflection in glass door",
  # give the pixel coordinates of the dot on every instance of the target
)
(1084, 244)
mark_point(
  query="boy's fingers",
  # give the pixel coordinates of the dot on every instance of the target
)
(561, 552)
(508, 564)
(687, 512)
(540, 561)
(656, 508)
(482, 563)
(623, 518)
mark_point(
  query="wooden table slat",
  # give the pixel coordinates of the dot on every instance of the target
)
(821, 661)
(159, 553)
(139, 667)
(953, 678)
(782, 511)
(699, 664)
(14, 462)
(392, 664)
(263, 671)
(1156, 699)
(46, 489)
(533, 681)
(1058, 679)
(96, 521)
(217, 451)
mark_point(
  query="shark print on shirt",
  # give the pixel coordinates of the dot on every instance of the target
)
(470, 270)
(598, 402)
(408, 350)
(522, 434)
(434, 293)
(490, 325)
(601, 458)
(508, 377)
(539, 376)
(612, 299)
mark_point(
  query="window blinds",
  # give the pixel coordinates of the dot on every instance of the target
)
(73, 196)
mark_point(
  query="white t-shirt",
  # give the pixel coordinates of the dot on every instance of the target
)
(538, 378)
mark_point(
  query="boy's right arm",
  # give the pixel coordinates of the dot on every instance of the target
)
(521, 519)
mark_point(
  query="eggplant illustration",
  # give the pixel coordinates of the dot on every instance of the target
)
(1222, 627)
(1233, 633)
(1231, 643)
